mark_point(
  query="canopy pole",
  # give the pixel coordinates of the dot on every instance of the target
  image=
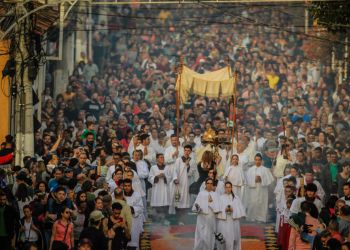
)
(233, 102)
(235, 125)
(178, 98)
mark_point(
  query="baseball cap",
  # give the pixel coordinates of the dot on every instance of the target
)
(96, 215)
(68, 170)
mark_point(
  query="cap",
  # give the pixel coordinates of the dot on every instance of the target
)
(96, 215)
(85, 241)
(68, 170)
(271, 146)
(100, 181)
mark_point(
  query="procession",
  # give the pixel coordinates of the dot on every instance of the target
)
(179, 128)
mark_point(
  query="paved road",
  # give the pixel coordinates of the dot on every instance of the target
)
(176, 237)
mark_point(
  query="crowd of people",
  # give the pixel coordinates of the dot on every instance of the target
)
(108, 156)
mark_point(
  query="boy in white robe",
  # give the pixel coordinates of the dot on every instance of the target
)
(134, 200)
(206, 205)
(142, 172)
(228, 224)
(310, 195)
(159, 177)
(234, 174)
(258, 179)
(185, 167)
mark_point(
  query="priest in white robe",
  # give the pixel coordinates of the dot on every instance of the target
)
(148, 152)
(185, 168)
(134, 200)
(234, 174)
(207, 206)
(228, 225)
(172, 152)
(159, 177)
(258, 179)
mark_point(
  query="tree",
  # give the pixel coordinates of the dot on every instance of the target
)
(334, 15)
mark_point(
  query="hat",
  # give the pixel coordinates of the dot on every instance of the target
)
(84, 242)
(271, 146)
(100, 181)
(67, 170)
(171, 87)
(96, 215)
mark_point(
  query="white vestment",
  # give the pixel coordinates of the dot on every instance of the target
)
(136, 183)
(142, 172)
(156, 146)
(295, 208)
(160, 189)
(206, 221)
(182, 173)
(219, 189)
(168, 156)
(235, 175)
(135, 201)
(320, 191)
(347, 202)
(151, 154)
(258, 193)
(228, 223)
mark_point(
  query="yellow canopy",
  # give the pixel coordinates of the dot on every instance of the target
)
(211, 84)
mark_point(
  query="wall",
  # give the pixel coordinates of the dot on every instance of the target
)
(4, 92)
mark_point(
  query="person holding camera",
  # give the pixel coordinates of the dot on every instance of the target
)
(29, 231)
(116, 230)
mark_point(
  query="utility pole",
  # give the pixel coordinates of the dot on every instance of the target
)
(24, 103)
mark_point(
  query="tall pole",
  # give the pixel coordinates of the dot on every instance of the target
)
(306, 20)
(90, 33)
(346, 57)
(24, 103)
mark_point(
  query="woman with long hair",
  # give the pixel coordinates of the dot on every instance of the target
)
(206, 163)
(62, 231)
(22, 197)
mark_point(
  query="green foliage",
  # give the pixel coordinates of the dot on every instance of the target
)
(334, 15)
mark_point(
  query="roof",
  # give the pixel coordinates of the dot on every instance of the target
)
(43, 18)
